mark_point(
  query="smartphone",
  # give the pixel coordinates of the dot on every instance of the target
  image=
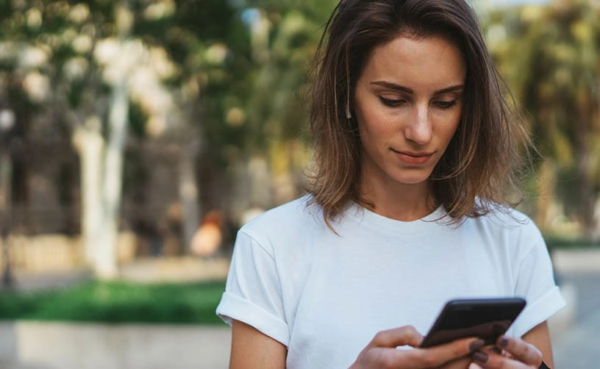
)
(486, 318)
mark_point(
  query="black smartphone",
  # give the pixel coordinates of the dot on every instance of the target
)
(486, 318)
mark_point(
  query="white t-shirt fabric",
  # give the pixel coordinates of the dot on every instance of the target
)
(325, 295)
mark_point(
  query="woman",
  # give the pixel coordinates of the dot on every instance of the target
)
(416, 149)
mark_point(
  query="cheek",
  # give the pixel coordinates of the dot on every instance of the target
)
(451, 131)
(448, 126)
(373, 123)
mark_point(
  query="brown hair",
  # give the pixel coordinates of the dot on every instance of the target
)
(478, 169)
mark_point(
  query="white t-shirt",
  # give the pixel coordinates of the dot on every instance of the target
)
(325, 295)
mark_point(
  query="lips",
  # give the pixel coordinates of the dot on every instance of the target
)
(414, 158)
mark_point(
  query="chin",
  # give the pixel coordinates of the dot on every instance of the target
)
(414, 178)
(407, 181)
(412, 183)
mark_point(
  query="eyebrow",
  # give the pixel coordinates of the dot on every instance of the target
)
(400, 88)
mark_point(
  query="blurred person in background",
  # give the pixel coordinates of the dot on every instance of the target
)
(209, 237)
(417, 154)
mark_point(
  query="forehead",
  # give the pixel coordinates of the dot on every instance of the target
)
(420, 60)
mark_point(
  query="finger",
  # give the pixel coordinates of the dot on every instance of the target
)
(474, 366)
(441, 354)
(406, 335)
(520, 350)
(490, 359)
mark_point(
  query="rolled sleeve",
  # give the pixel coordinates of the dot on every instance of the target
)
(253, 290)
(536, 283)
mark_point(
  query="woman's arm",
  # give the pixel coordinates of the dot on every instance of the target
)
(251, 349)
(539, 336)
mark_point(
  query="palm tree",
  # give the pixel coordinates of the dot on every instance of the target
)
(549, 55)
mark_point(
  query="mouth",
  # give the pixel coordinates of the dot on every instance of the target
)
(414, 158)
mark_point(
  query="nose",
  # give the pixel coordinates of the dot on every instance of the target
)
(419, 127)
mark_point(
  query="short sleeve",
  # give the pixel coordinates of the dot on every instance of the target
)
(253, 291)
(535, 281)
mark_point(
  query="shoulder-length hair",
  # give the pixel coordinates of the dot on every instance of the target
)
(479, 167)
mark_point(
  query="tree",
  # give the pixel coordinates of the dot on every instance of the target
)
(273, 145)
(228, 90)
(208, 45)
(549, 55)
(89, 100)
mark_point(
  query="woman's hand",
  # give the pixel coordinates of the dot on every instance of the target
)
(509, 353)
(381, 352)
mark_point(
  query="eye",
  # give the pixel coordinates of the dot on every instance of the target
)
(392, 103)
(445, 104)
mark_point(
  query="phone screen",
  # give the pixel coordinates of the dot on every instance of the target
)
(486, 318)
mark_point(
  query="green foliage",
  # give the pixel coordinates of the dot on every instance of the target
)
(262, 81)
(548, 55)
(118, 302)
(559, 242)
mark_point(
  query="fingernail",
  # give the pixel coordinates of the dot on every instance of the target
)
(476, 345)
(480, 357)
(503, 342)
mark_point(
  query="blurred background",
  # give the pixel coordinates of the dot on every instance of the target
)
(136, 136)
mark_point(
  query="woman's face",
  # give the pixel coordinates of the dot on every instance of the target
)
(408, 104)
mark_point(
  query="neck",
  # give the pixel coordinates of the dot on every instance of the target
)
(403, 202)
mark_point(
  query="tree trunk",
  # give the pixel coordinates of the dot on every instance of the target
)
(188, 192)
(546, 183)
(90, 144)
(587, 198)
(102, 166)
(106, 267)
(5, 215)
